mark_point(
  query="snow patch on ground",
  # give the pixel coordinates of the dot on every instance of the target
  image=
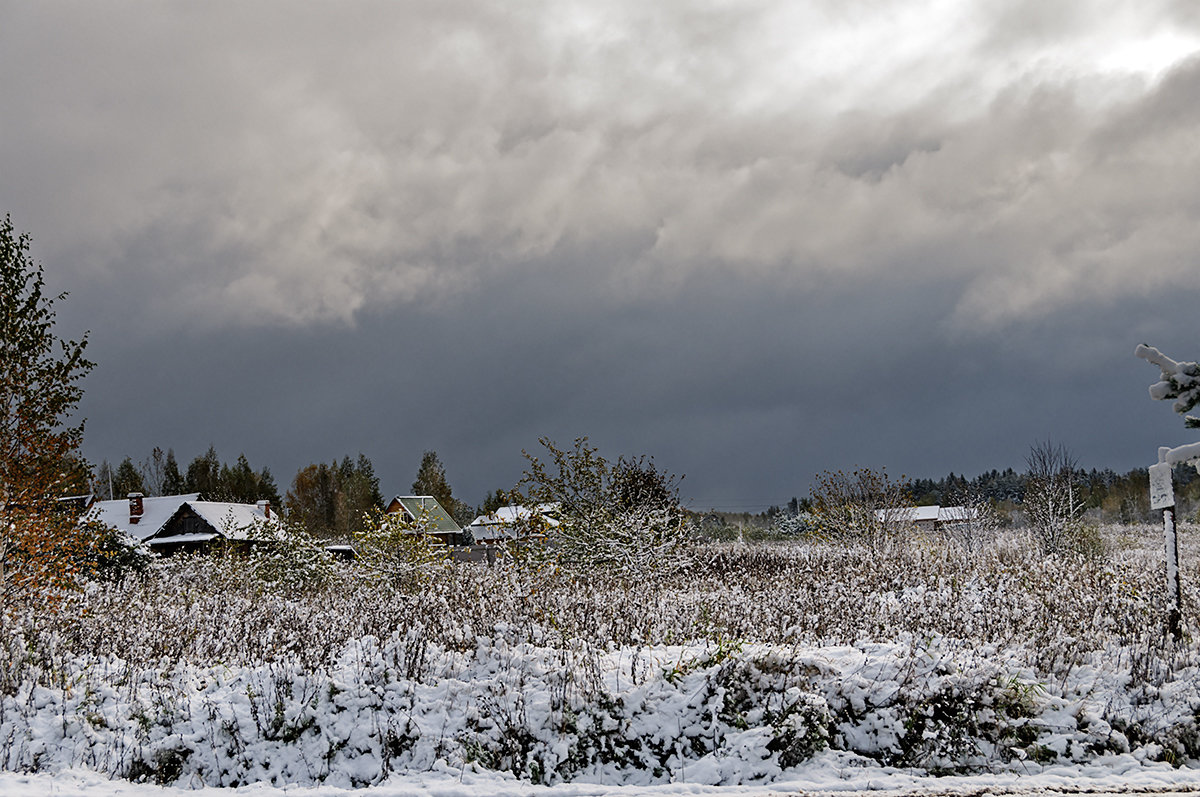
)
(830, 773)
(404, 713)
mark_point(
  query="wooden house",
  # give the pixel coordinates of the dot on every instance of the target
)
(427, 516)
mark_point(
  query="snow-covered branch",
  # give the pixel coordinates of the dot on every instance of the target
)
(1180, 381)
(1180, 455)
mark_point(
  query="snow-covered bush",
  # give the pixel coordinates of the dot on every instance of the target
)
(290, 558)
(399, 549)
(786, 526)
(624, 518)
(729, 715)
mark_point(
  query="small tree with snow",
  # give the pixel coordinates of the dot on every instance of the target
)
(1053, 504)
(398, 549)
(290, 557)
(624, 517)
(865, 505)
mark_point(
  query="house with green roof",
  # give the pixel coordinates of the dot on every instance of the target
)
(428, 516)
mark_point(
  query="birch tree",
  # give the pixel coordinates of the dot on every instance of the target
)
(42, 550)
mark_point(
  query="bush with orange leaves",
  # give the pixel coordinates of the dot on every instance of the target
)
(43, 550)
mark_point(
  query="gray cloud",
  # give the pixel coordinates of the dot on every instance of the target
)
(305, 166)
(676, 226)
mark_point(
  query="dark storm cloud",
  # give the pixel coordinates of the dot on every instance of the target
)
(756, 240)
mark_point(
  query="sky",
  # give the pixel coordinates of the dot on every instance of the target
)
(756, 240)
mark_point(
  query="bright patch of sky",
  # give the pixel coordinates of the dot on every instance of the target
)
(1149, 54)
(889, 57)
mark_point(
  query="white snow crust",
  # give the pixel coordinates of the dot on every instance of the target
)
(667, 714)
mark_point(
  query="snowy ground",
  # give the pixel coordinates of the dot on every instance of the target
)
(827, 718)
(825, 776)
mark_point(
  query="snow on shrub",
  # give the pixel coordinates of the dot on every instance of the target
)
(746, 662)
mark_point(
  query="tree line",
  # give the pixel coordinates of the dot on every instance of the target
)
(1112, 496)
(1103, 493)
(160, 474)
(331, 500)
(328, 500)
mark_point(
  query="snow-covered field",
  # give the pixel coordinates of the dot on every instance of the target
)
(751, 670)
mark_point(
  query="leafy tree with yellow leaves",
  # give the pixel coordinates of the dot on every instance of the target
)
(43, 550)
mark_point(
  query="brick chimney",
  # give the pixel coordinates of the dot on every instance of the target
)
(135, 508)
(265, 508)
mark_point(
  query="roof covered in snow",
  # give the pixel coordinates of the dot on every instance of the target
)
(929, 514)
(235, 521)
(155, 512)
(505, 522)
(176, 539)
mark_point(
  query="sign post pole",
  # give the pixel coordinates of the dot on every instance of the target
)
(1174, 597)
(1162, 496)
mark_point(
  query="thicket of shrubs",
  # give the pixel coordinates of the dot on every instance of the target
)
(991, 638)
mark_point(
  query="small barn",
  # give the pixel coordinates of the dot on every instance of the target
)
(930, 518)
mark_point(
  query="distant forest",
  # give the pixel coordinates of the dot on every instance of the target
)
(1109, 496)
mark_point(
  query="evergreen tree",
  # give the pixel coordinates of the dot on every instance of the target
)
(127, 479)
(367, 471)
(493, 501)
(431, 480)
(41, 547)
(1180, 381)
(267, 489)
(204, 476)
(357, 495)
(102, 483)
(239, 483)
(173, 483)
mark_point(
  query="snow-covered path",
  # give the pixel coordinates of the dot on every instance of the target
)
(819, 779)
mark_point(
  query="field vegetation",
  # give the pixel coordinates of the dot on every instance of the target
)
(735, 663)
